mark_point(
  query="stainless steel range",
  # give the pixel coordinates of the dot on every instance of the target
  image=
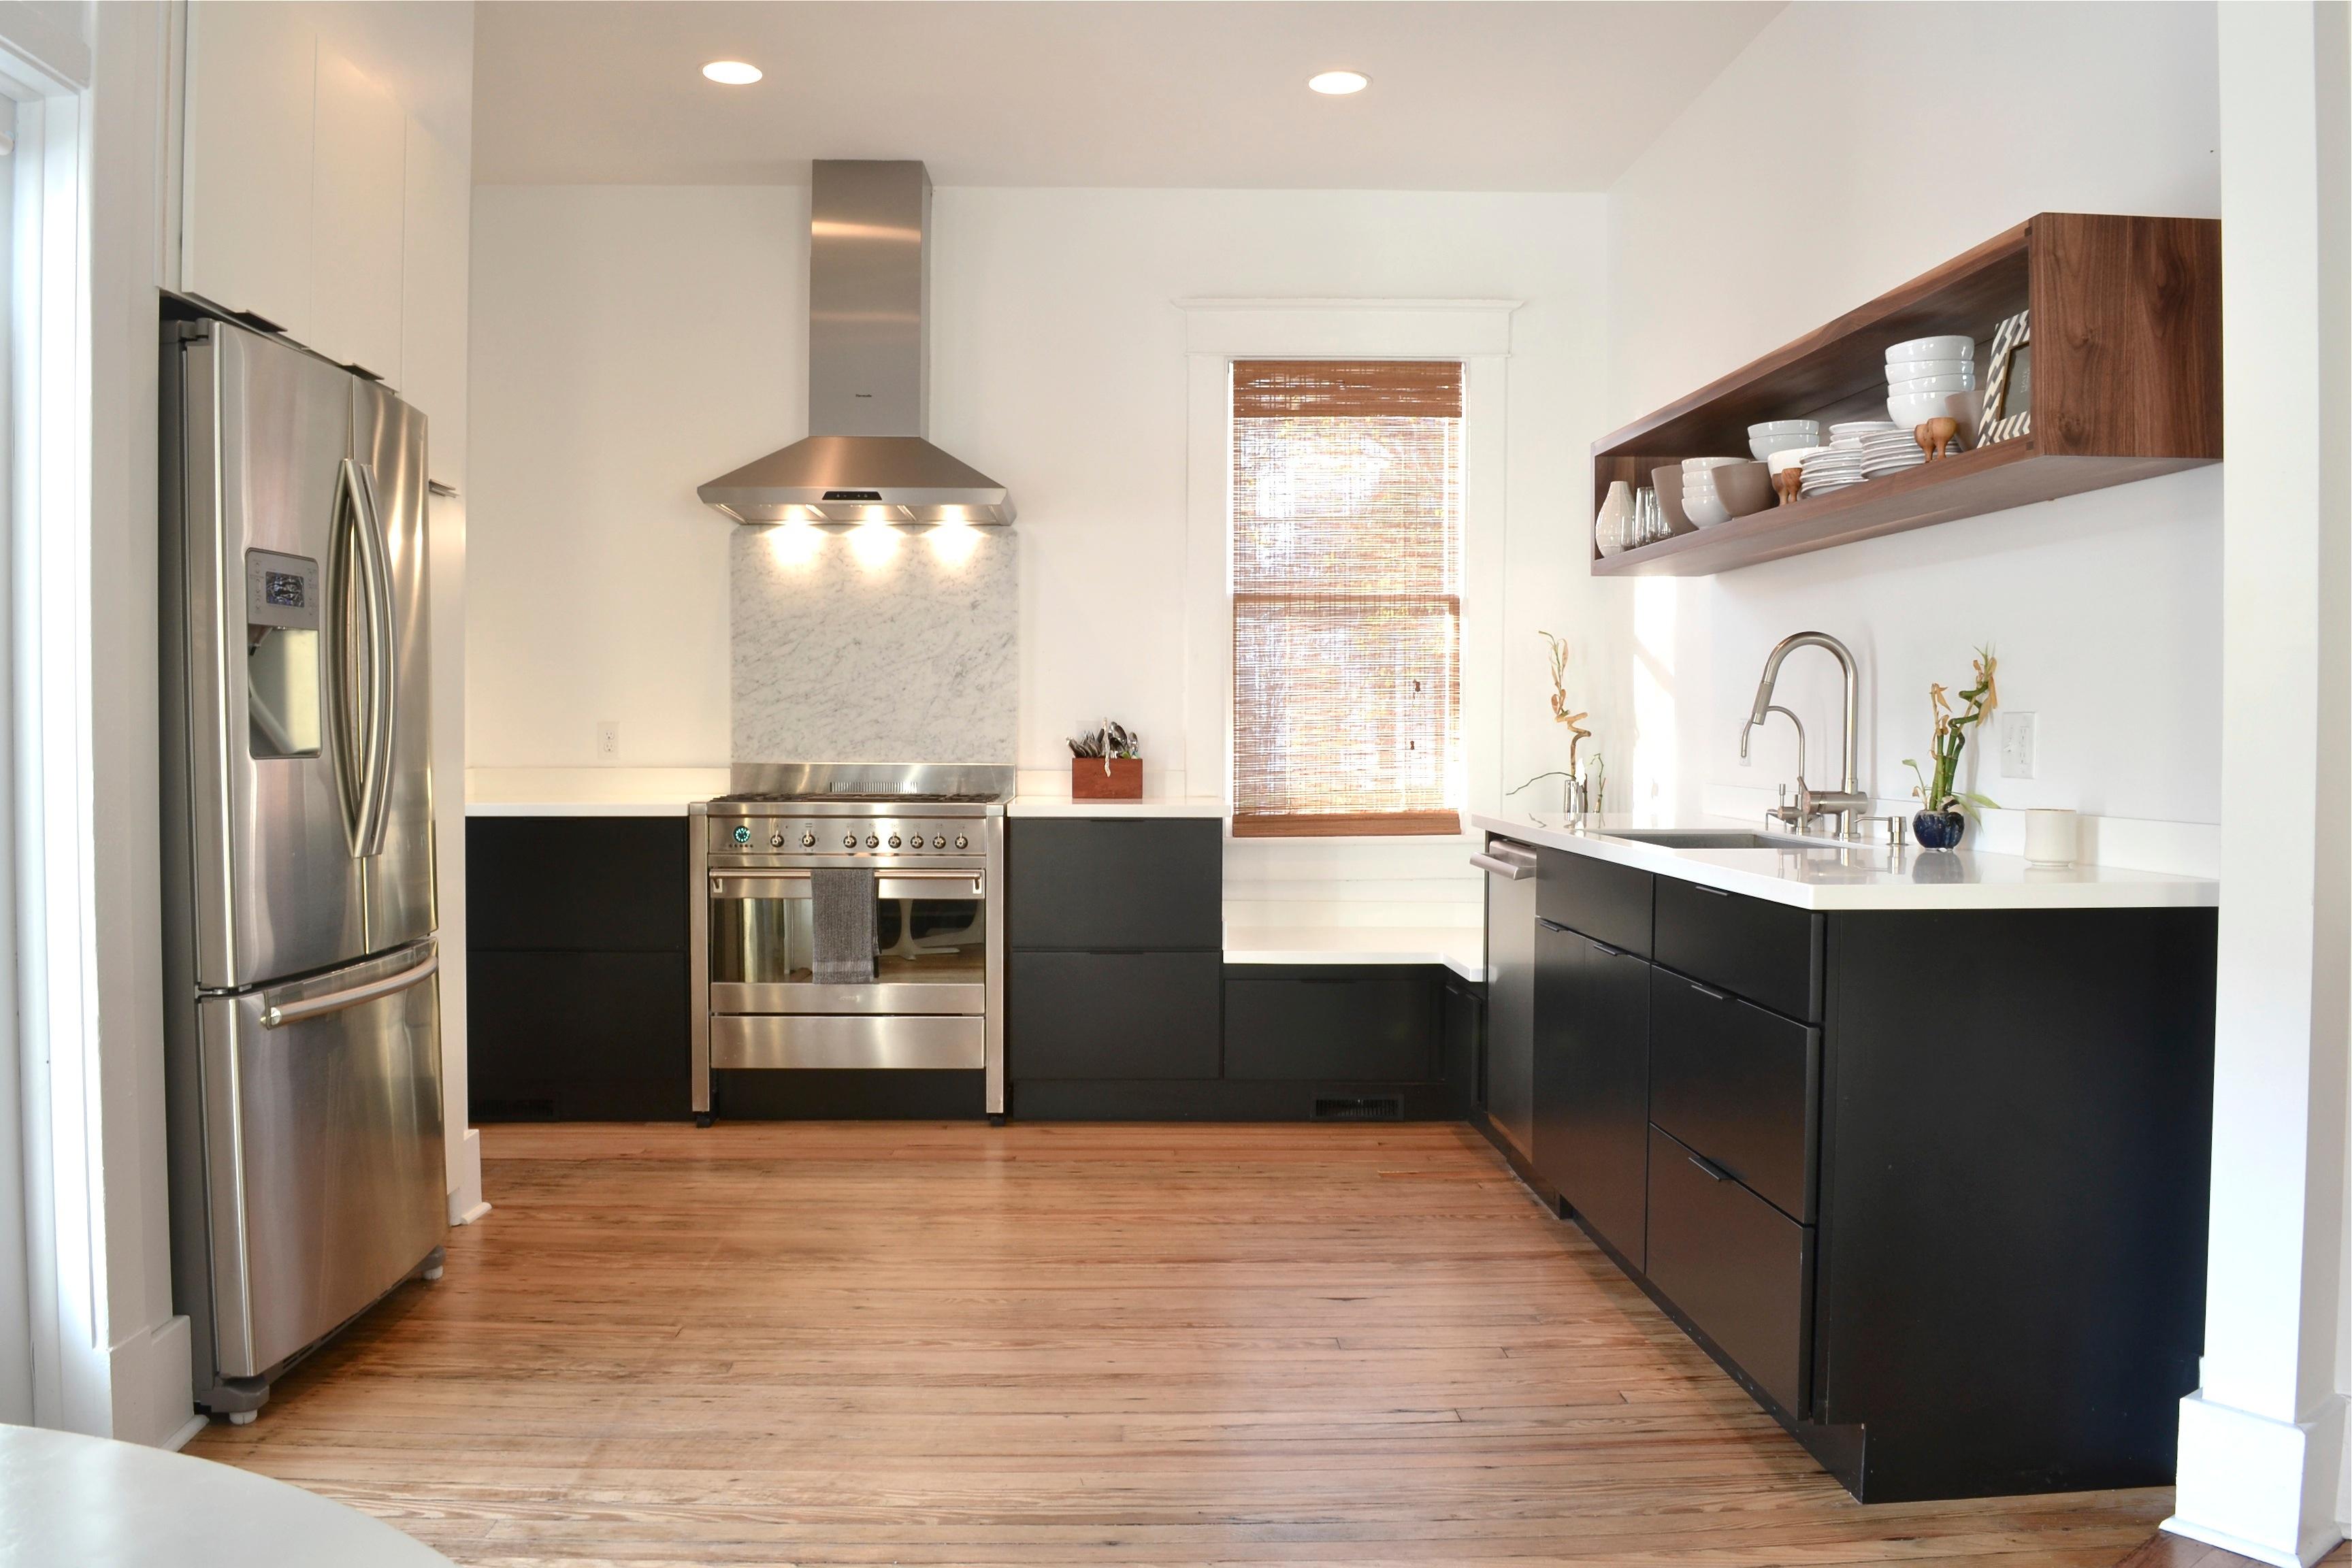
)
(931, 839)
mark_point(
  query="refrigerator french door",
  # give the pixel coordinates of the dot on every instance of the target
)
(303, 1028)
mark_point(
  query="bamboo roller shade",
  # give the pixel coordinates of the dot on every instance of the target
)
(1347, 600)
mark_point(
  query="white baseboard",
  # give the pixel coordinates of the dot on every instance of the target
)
(150, 1386)
(2256, 1486)
(179, 1440)
(465, 1205)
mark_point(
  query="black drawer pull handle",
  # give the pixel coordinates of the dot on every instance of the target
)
(1719, 892)
(1614, 952)
(1712, 1172)
(1706, 991)
(1553, 925)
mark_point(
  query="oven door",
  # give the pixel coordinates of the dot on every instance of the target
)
(927, 1007)
(930, 952)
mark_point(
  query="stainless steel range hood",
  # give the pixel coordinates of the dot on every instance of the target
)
(868, 458)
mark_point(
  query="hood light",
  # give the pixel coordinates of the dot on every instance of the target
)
(1337, 84)
(737, 73)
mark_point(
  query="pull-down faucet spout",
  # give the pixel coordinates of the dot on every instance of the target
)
(1847, 802)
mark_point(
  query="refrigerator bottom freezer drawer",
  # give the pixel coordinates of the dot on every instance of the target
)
(322, 1151)
(840, 1040)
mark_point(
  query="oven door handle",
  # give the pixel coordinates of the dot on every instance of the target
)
(792, 883)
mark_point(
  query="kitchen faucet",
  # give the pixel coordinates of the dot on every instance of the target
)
(1847, 802)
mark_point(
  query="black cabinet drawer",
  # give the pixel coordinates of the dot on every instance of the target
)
(610, 884)
(1100, 883)
(1592, 1083)
(1372, 1026)
(576, 1037)
(1111, 1014)
(1598, 897)
(1765, 952)
(1738, 1084)
(1735, 1267)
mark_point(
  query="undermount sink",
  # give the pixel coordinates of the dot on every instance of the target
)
(1718, 838)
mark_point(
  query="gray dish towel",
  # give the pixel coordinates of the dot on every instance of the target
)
(841, 913)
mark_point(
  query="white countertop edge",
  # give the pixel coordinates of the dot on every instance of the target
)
(2077, 887)
(577, 807)
(1151, 805)
(1462, 949)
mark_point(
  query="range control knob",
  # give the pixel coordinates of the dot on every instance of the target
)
(775, 841)
(872, 842)
(940, 842)
(849, 841)
(742, 836)
(893, 841)
(961, 842)
(808, 840)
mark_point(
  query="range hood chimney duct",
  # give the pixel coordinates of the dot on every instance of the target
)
(868, 456)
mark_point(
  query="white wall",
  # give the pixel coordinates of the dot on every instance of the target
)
(633, 341)
(2104, 608)
(110, 1355)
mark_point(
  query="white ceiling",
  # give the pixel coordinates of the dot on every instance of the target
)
(1522, 95)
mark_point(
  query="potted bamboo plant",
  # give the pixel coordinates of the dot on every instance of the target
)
(1945, 807)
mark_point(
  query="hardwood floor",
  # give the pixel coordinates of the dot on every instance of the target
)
(922, 1343)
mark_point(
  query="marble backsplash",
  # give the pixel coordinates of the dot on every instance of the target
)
(874, 647)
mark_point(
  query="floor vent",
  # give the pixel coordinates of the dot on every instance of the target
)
(1359, 1107)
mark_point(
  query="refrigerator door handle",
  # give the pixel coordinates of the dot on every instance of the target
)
(285, 1013)
(383, 684)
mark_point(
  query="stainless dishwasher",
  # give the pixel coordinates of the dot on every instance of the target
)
(1510, 869)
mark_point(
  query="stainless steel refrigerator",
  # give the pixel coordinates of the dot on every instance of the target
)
(303, 1034)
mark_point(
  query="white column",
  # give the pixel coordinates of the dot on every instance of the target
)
(2261, 1441)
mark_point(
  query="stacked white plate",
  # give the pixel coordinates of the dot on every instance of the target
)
(1924, 374)
(1834, 467)
(1890, 452)
(1839, 464)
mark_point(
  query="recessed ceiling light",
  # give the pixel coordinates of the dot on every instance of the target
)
(734, 73)
(1338, 83)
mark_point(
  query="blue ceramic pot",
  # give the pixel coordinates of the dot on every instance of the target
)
(1939, 830)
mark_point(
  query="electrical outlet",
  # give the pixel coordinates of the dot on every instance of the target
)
(608, 740)
(2019, 733)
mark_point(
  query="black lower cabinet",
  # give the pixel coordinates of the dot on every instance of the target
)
(1737, 1269)
(1462, 1043)
(577, 997)
(1374, 1024)
(576, 1037)
(1592, 1083)
(1124, 1015)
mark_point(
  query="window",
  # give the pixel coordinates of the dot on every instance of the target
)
(1346, 566)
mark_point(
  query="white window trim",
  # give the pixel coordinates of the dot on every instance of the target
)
(51, 762)
(1218, 332)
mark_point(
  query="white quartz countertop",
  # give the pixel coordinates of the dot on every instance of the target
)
(1048, 804)
(1826, 874)
(1462, 949)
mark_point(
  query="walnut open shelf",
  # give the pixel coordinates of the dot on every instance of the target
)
(2126, 384)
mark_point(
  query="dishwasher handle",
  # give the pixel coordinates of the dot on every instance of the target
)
(1509, 871)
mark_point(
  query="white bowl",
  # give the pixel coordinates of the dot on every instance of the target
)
(1707, 511)
(1696, 492)
(1783, 426)
(1794, 458)
(1931, 384)
(1915, 409)
(1901, 369)
(1697, 465)
(1765, 446)
(1932, 348)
